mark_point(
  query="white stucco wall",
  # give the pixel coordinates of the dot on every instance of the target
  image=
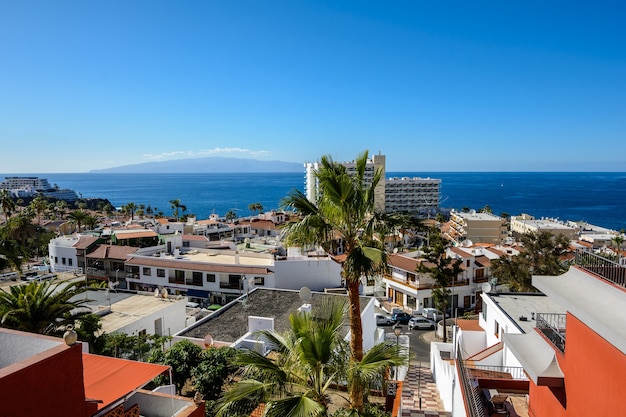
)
(315, 273)
(60, 248)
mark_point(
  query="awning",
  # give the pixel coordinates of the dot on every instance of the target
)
(197, 293)
(537, 357)
(109, 379)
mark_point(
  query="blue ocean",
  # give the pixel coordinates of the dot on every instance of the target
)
(596, 197)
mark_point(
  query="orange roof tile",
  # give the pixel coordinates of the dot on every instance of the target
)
(136, 235)
(110, 379)
(469, 325)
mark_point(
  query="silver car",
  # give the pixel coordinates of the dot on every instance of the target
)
(421, 323)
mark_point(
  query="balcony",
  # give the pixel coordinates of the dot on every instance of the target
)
(552, 325)
(603, 267)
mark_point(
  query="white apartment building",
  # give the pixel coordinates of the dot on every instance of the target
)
(526, 223)
(221, 275)
(476, 227)
(377, 162)
(412, 290)
(412, 195)
(393, 195)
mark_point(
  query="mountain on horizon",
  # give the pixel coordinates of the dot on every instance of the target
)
(211, 164)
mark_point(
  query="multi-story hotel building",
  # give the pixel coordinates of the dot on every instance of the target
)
(476, 227)
(393, 195)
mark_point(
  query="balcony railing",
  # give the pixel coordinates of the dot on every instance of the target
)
(497, 372)
(473, 402)
(553, 327)
(603, 267)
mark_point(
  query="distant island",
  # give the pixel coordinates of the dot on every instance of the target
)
(213, 164)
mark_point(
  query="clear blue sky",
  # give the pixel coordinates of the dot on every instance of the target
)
(434, 85)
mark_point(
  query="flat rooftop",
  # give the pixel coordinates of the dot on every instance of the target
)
(520, 305)
(129, 309)
(230, 323)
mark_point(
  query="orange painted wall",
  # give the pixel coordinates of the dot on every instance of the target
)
(595, 377)
(51, 386)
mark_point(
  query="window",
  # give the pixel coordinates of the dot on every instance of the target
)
(63, 261)
(259, 280)
(210, 277)
(56, 260)
(185, 244)
(179, 277)
(161, 273)
(496, 329)
(147, 271)
(69, 261)
(196, 278)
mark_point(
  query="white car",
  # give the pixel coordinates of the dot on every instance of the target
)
(421, 323)
(382, 320)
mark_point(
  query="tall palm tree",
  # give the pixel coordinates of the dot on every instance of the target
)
(78, 218)
(176, 206)
(7, 204)
(39, 206)
(345, 210)
(307, 360)
(131, 208)
(40, 307)
(444, 271)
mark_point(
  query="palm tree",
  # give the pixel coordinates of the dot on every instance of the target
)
(231, 215)
(256, 207)
(618, 241)
(443, 270)
(131, 208)
(176, 206)
(40, 307)
(308, 359)
(6, 203)
(78, 218)
(346, 211)
(39, 205)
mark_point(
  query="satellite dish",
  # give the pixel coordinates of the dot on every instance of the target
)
(208, 340)
(486, 287)
(305, 294)
(157, 293)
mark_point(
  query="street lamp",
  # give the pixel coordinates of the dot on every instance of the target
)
(397, 330)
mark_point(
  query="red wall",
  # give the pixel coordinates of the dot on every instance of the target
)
(51, 385)
(595, 377)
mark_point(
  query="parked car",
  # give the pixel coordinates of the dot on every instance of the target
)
(402, 317)
(432, 313)
(421, 323)
(382, 320)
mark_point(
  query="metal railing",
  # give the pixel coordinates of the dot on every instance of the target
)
(473, 403)
(553, 326)
(499, 372)
(603, 267)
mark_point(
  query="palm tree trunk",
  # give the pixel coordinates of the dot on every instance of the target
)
(356, 340)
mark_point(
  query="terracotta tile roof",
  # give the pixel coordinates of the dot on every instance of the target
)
(84, 242)
(110, 379)
(162, 220)
(460, 252)
(483, 261)
(136, 235)
(485, 353)
(112, 252)
(402, 262)
(496, 251)
(586, 244)
(198, 266)
(263, 224)
(469, 325)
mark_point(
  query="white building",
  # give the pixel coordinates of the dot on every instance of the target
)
(412, 195)
(525, 223)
